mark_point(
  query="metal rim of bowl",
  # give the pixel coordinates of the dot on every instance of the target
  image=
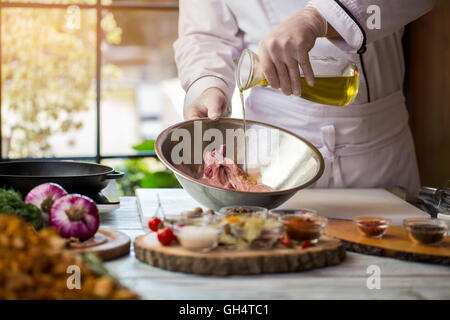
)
(276, 192)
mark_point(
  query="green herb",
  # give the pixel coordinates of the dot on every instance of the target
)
(11, 203)
(96, 264)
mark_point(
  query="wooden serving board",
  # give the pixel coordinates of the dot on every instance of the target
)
(394, 244)
(107, 244)
(222, 262)
(347, 204)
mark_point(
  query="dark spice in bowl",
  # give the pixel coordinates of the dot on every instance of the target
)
(243, 210)
(427, 233)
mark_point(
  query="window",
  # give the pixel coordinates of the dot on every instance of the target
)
(86, 80)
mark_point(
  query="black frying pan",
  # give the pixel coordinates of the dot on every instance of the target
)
(76, 177)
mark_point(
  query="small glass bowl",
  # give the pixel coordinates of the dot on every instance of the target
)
(197, 212)
(268, 238)
(426, 231)
(301, 212)
(372, 227)
(242, 210)
(303, 228)
(198, 238)
(200, 221)
(195, 216)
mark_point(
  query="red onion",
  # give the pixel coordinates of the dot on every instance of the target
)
(75, 216)
(43, 196)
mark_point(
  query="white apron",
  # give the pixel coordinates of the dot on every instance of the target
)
(363, 146)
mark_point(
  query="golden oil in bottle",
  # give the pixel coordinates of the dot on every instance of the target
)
(335, 80)
(336, 91)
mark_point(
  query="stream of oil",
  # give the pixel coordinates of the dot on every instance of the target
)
(241, 93)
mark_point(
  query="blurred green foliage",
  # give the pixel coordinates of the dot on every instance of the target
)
(48, 73)
(148, 145)
(139, 173)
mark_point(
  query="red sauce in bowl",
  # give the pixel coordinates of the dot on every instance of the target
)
(372, 227)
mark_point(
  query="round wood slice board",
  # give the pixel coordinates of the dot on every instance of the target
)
(107, 244)
(394, 244)
(222, 262)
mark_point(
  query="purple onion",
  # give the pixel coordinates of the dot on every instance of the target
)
(75, 216)
(43, 196)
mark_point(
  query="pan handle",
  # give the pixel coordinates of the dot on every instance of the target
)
(114, 175)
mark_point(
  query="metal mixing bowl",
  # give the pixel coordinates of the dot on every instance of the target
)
(290, 163)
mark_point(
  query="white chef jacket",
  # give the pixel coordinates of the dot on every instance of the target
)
(367, 144)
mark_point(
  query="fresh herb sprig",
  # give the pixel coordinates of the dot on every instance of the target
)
(11, 203)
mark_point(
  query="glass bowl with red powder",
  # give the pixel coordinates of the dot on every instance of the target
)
(372, 227)
(304, 227)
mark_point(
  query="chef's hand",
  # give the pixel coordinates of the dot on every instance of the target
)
(212, 103)
(287, 46)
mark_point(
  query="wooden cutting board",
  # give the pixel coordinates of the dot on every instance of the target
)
(107, 244)
(394, 244)
(222, 262)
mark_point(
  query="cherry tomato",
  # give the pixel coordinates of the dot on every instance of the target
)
(306, 244)
(165, 236)
(153, 224)
(285, 240)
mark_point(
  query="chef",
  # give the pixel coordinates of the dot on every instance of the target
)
(366, 144)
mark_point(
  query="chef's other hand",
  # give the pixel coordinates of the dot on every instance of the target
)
(212, 103)
(287, 46)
